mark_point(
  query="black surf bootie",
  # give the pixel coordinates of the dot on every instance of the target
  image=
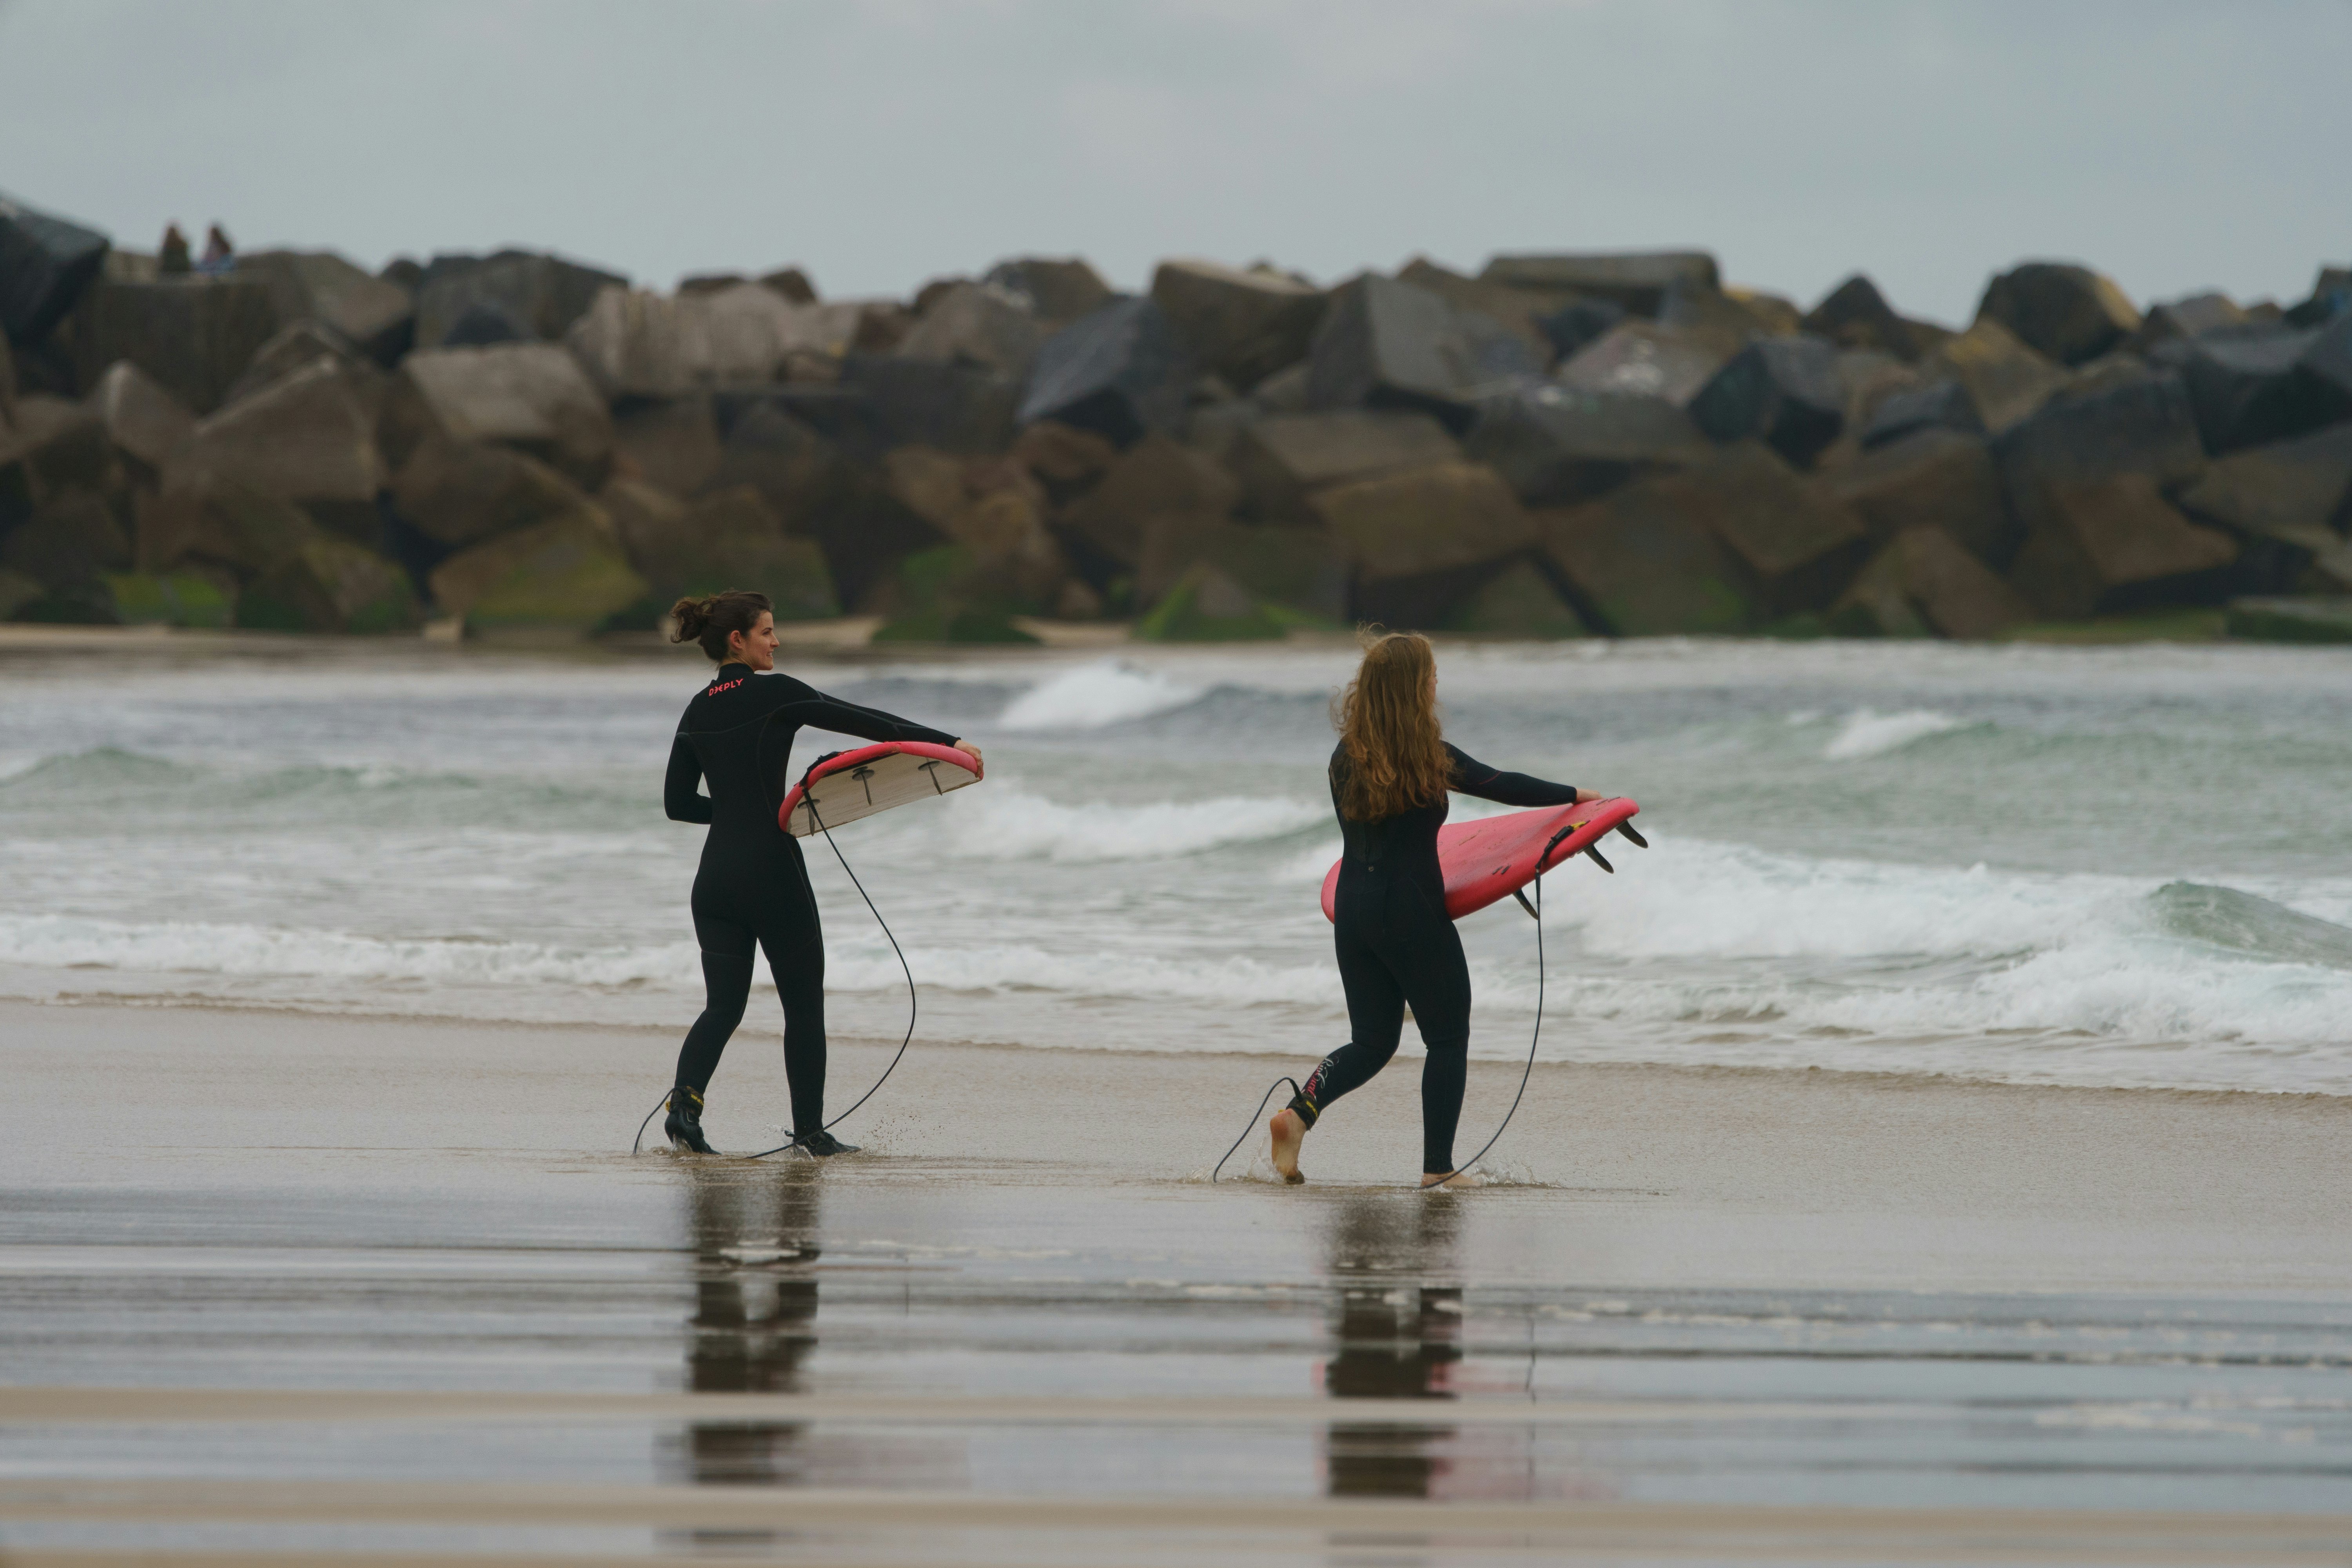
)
(683, 1126)
(823, 1145)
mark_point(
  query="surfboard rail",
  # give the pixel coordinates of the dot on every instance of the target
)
(842, 786)
(1494, 856)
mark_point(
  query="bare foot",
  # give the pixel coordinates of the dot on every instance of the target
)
(1289, 1133)
(1451, 1180)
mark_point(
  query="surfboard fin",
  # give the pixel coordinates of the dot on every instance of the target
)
(1627, 829)
(1600, 859)
(1520, 894)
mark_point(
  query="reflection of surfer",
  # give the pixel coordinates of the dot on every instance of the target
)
(753, 885)
(1389, 774)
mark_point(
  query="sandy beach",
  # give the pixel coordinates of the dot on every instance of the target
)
(395, 1291)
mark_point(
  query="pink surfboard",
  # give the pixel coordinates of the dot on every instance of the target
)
(1496, 856)
(848, 785)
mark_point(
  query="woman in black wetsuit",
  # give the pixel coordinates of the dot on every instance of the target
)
(753, 885)
(1390, 775)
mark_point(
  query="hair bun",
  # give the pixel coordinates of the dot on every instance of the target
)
(692, 615)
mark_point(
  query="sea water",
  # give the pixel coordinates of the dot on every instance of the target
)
(2122, 867)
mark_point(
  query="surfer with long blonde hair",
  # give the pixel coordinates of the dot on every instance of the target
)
(1389, 776)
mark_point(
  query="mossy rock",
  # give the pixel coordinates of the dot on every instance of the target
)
(2156, 626)
(330, 586)
(2317, 620)
(1520, 602)
(966, 626)
(1207, 605)
(172, 599)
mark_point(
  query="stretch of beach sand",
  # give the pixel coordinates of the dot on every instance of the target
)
(263, 1272)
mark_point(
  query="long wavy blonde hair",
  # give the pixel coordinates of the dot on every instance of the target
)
(1387, 719)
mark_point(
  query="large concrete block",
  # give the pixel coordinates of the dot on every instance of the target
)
(977, 324)
(1520, 311)
(1943, 403)
(2289, 504)
(544, 293)
(1924, 582)
(1117, 371)
(207, 524)
(2328, 360)
(1728, 318)
(1242, 325)
(55, 444)
(1637, 562)
(1571, 326)
(1645, 359)
(2248, 386)
(1420, 540)
(141, 418)
(305, 343)
(819, 494)
(1935, 478)
(2302, 483)
(1798, 546)
(305, 437)
(532, 397)
(1300, 568)
(330, 585)
(1155, 477)
(672, 445)
(2006, 380)
(2192, 317)
(1014, 562)
(1282, 460)
(70, 541)
(1518, 602)
(1635, 279)
(728, 538)
(1856, 315)
(1055, 290)
(895, 402)
(1783, 391)
(193, 335)
(2070, 313)
(637, 343)
(2331, 296)
(1558, 446)
(1385, 344)
(459, 493)
(2114, 543)
(377, 316)
(45, 262)
(567, 576)
(1207, 604)
(2135, 425)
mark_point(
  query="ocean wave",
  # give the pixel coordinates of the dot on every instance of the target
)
(65, 942)
(1865, 734)
(1012, 824)
(1109, 691)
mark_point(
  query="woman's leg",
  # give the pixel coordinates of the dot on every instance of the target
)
(796, 961)
(726, 986)
(1437, 985)
(1375, 1021)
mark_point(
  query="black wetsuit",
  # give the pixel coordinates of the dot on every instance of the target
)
(1396, 949)
(753, 885)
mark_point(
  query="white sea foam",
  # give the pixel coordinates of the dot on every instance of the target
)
(1868, 734)
(1012, 823)
(1109, 692)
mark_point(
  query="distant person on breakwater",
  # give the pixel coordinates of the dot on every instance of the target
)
(1389, 776)
(753, 888)
(220, 256)
(172, 257)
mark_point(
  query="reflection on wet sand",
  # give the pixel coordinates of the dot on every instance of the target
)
(1397, 1335)
(753, 1235)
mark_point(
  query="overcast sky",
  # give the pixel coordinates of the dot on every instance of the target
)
(880, 142)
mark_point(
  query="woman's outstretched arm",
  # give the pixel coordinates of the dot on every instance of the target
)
(1472, 776)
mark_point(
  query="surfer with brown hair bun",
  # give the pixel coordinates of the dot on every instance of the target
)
(1390, 775)
(752, 887)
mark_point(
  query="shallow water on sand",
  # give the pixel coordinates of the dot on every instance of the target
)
(2128, 867)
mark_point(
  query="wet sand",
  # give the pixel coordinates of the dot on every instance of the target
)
(383, 1291)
